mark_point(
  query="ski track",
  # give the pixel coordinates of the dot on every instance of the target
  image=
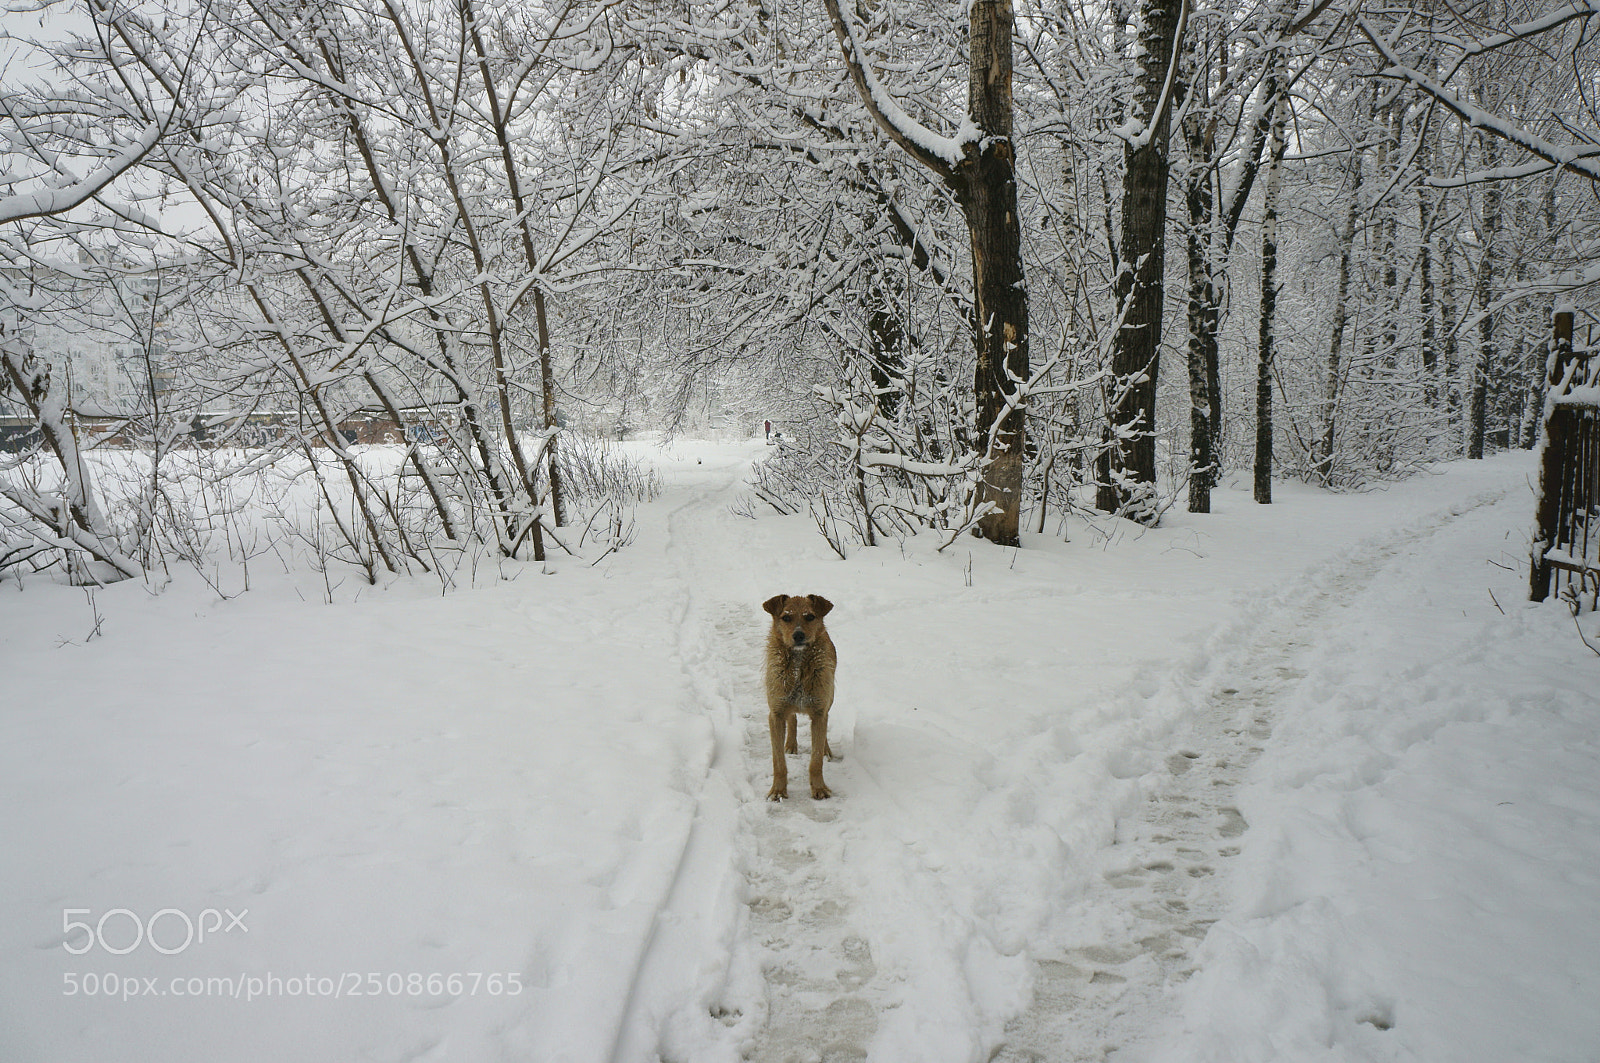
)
(1162, 882)
(696, 884)
(1160, 886)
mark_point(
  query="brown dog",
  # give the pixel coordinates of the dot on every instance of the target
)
(800, 666)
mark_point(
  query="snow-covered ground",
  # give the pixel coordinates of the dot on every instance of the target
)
(1300, 782)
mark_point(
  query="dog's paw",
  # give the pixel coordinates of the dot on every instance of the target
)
(820, 792)
(792, 747)
(778, 793)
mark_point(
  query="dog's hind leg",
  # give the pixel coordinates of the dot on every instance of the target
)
(792, 743)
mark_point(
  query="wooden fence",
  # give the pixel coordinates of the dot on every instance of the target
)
(1566, 545)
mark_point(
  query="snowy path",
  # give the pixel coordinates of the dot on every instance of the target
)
(1159, 888)
(796, 925)
(813, 970)
(872, 927)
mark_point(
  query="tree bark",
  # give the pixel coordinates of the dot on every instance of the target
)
(547, 382)
(984, 184)
(1130, 485)
(1447, 326)
(1488, 235)
(1199, 134)
(990, 201)
(1426, 298)
(73, 513)
(1278, 105)
(1333, 380)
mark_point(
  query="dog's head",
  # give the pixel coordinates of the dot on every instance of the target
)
(797, 618)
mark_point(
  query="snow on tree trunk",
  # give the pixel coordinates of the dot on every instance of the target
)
(1278, 104)
(1332, 380)
(71, 519)
(979, 166)
(1488, 241)
(1131, 467)
(988, 195)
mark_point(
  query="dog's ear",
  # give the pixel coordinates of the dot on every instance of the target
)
(820, 604)
(774, 605)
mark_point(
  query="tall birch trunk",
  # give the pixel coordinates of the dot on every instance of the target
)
(1488, 236)
(1277, 94)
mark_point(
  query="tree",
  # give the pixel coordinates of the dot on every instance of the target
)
(1569, 30)
(67, 154)
(1278, 118)
(979, 166)
(1212, 75)
(1130, 466)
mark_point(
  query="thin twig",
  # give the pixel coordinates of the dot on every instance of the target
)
(1592, 647)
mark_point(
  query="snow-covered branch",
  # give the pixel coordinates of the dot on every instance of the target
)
(1582, 159)
(939, 153)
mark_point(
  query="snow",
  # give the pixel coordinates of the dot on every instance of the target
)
(948, 151)
(1275, 783)
(72, 191)
(1577, 157)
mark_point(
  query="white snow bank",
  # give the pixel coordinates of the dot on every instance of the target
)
(1419, 876)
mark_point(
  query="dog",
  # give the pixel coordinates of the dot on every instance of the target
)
(800, 664)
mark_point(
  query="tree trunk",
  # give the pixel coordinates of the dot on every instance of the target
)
(1330, 400)
(1488, 233)
(1212, 227)
(1202, 358)
(1427, 220)
(1390, 160)
(1450, 351)
(1277, 95)
(1539, 353)
(499, 119)
(1200, 140)
(72, 512)
(1139, 289)
(985, 186)
(988, 194)
(547, 383)
(1425, 298)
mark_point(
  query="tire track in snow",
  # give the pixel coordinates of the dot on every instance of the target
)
(1160, 886)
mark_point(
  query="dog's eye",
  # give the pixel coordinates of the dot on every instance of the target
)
(787, 618)
(809, 618)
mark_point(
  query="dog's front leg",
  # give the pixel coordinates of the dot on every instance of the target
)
(819, 746)
(780, 769)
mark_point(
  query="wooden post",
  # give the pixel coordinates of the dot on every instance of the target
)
(1552, 462)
